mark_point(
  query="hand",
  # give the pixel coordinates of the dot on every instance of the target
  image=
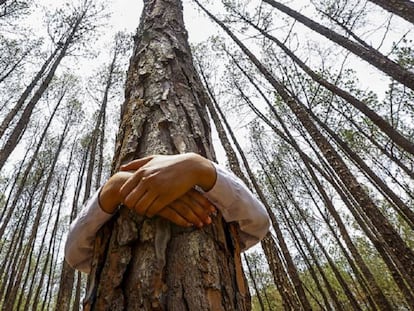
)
(193, 207)
(161, 179)
(190, 209)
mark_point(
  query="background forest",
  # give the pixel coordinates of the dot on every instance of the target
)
(312, 105)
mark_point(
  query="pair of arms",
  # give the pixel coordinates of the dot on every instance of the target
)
(164, 186)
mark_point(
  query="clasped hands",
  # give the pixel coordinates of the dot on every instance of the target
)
(163, 185)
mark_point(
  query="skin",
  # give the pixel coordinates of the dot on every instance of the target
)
(163, 185)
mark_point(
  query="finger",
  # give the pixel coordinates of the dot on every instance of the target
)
(202, 200)
(136, 164)
(145, 202)
(201, 212)
(171, 215)
(186, 212)
(133, 197)
(157, 206)
(135, 181)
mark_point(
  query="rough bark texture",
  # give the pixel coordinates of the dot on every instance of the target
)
(149, 264)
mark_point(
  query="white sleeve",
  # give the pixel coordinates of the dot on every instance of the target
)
(237, 203)
(82, 233)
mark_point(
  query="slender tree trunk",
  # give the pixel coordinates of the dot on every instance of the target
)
(403, 8)
(279, 274)
(22, 181)
(402, 209)
(77, 299)
(391, 237)
(8, 267)
(150, 264)
(14, 111)
(255, 287)
(27, 295)
(376, 291)
(13, 67)
(382, 124)
(67, 273)
(55, 227)
(293, 273)
(12, 293)
(20, 127)
(368, 54)
(391, 156)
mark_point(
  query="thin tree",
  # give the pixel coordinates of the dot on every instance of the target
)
(368, 54)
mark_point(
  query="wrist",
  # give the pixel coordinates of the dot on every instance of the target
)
(109, 196)
(205, 173)
(108, 199)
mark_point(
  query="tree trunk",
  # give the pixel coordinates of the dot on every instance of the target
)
(279, 274)
(20, 127)
(150, 264)
(67, 273)
(394, 241)
(401, 208)
(376, 291)
(255, 287)
(403, 8)
(22, 181)
(292, 271)
(382, 124)
(12, 292)
(14, 111)
(55, 228)
(370, 55)
(14, 66)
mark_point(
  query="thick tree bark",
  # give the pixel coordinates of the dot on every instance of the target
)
(370, 55)
(150, 264)
(403, 8)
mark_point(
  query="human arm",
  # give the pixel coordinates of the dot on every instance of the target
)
(190, 209)
(230, 195)
(226, 191)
